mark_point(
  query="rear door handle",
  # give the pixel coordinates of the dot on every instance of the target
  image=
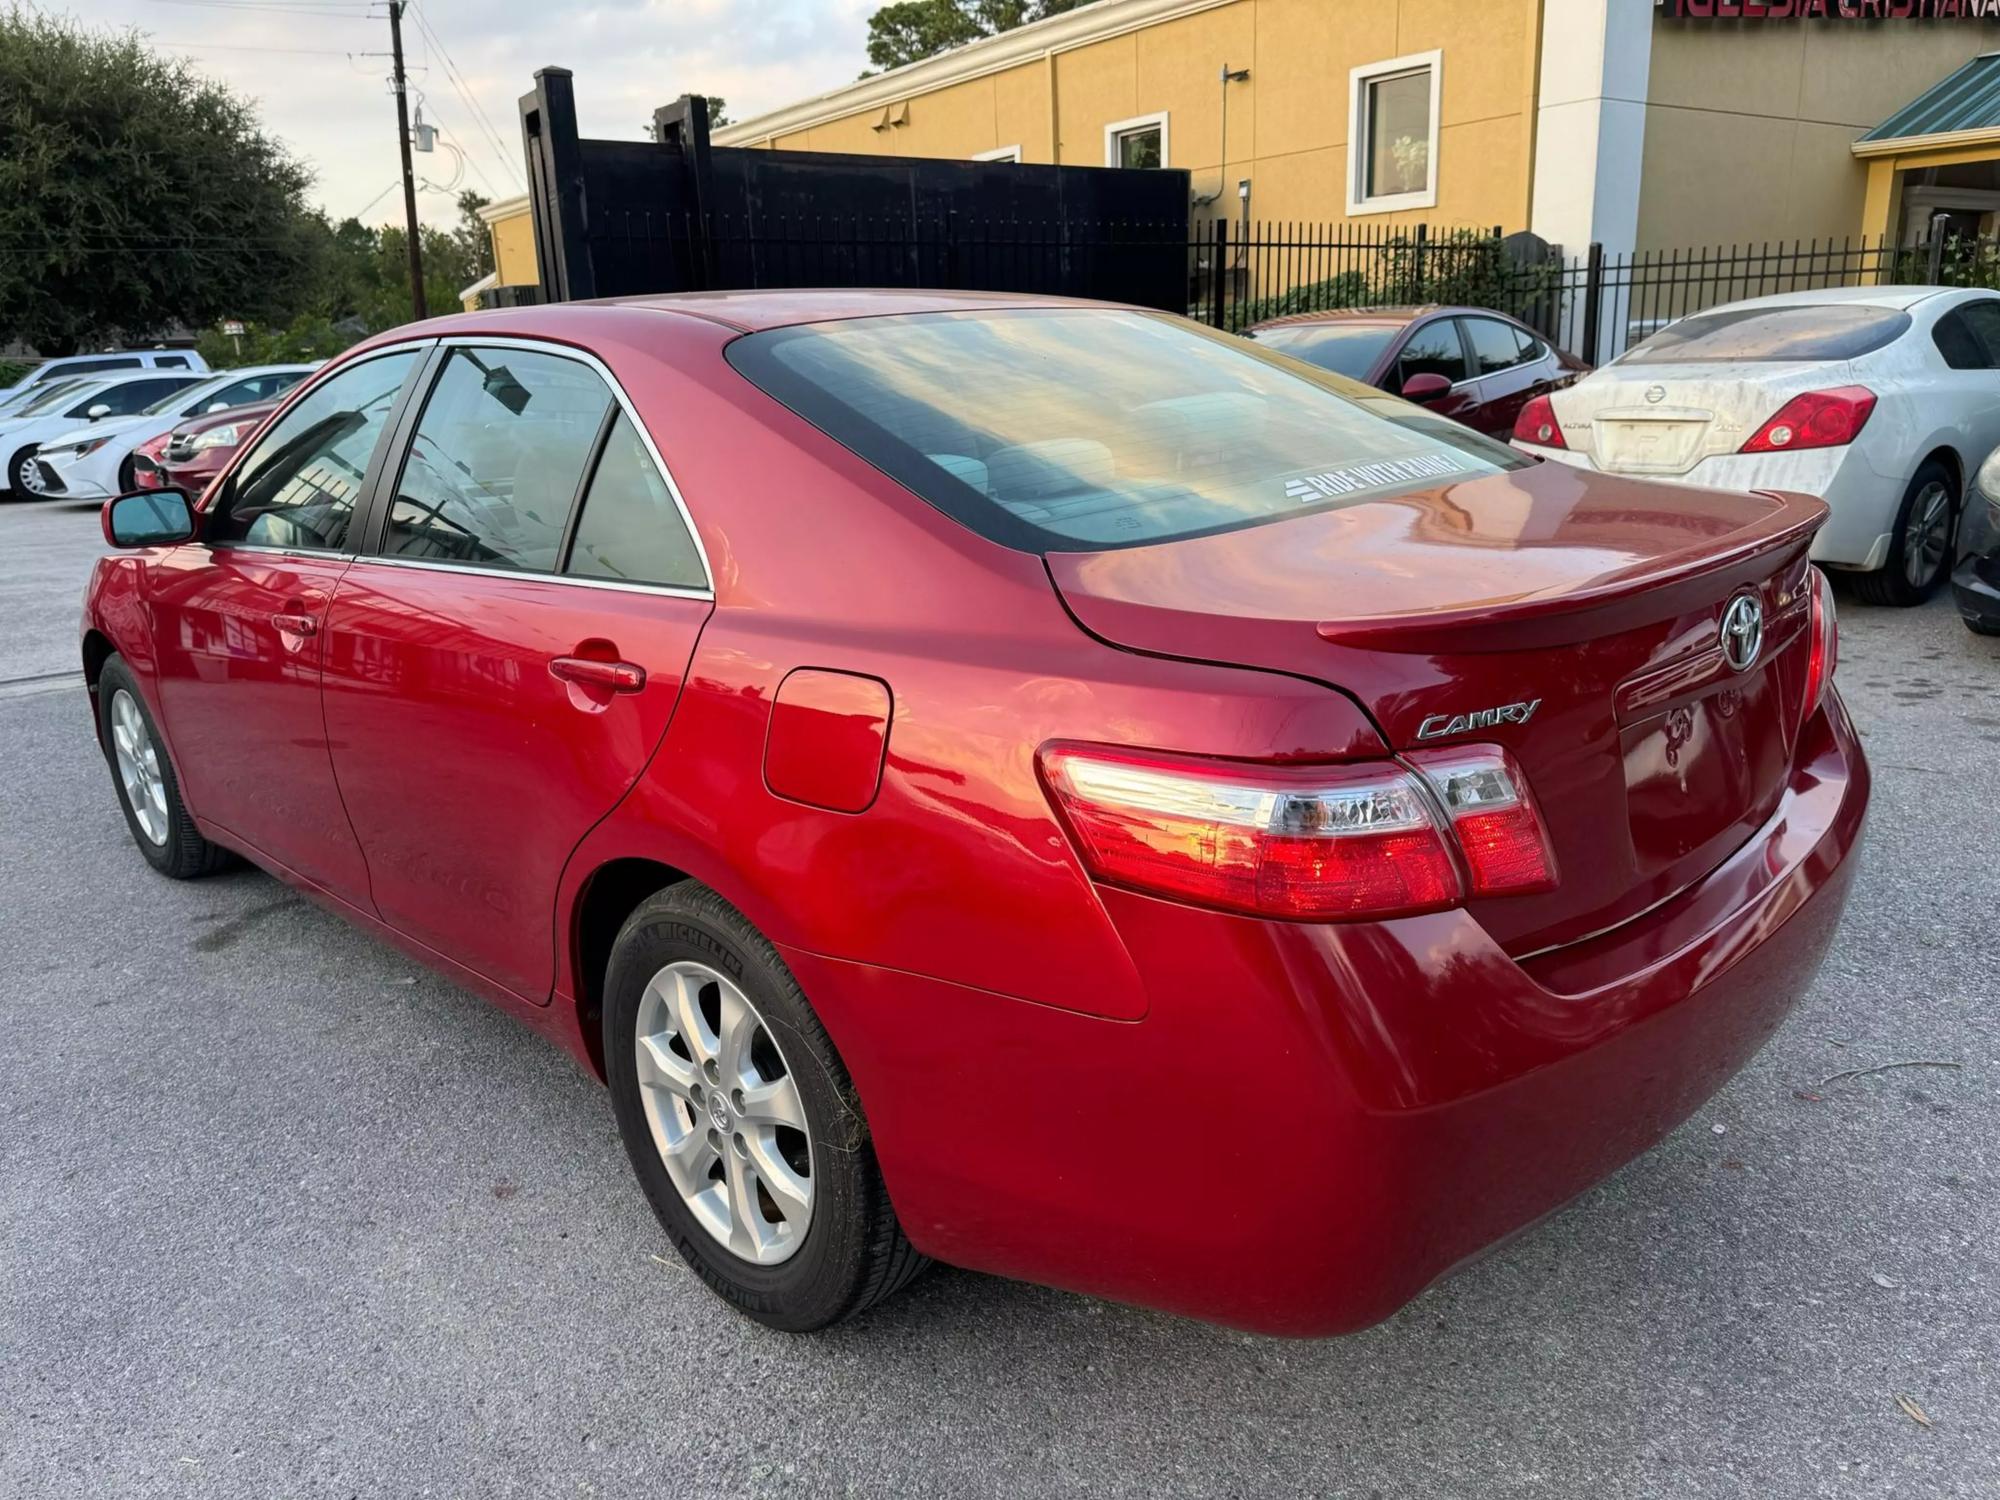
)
(613, 676)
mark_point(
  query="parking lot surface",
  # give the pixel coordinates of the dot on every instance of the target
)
(281, 1214)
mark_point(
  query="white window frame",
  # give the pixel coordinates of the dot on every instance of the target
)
(1118, 128)
(1358, 80)
(999, 153)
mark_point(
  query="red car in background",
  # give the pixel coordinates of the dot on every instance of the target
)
(1471, 364)
(190, 456)
(1040, 785)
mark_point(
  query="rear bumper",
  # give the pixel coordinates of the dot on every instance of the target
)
(1861, 502)
(1312, 1123)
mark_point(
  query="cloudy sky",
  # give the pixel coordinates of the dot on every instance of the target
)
(312, 67)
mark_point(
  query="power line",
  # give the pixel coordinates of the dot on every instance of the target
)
(456, 78)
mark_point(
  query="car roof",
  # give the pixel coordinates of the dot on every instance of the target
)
(1898, 298)
(1377, 315)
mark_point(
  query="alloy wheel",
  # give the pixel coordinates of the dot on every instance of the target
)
(725, 1112)
(1928, 534)
(139, 767)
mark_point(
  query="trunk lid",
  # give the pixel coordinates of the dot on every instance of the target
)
(1446, 613)
(1660, 421)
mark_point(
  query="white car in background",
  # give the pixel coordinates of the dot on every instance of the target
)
(22, 431)
(110, 362)
(95, 462)
(1883, 401)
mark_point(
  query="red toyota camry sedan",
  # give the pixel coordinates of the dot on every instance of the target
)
(1036, 785)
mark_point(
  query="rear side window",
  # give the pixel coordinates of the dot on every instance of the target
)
(1495, 345)
(1961, 347)
(87, 366)
(496, 460)
(630, 530)
(297, 488)
(1804, 331)
(1078, 429)
(172, 361)
(1433, 349)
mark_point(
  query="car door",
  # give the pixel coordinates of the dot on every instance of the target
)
(239, 623)
(1504, 373)
(504, 658)
(1435, 348)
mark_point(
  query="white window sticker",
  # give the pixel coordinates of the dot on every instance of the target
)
(1330, 484)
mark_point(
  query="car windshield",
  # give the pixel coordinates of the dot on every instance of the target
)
(16, 402)
(1079, 429)
(51, 395)
(1803, 331)
(184, 396)
(1349, 349)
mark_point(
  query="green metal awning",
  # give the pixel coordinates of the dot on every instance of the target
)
(1961, 109)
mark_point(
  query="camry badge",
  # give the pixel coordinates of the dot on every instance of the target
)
(1742, 632)
(1438, 726)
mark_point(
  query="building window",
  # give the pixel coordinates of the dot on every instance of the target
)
(1392, 146)
(1138, 142)
(999, 153)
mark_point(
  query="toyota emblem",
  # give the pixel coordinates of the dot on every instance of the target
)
(1742, 632)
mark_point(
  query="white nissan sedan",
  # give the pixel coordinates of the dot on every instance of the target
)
(1880, 400)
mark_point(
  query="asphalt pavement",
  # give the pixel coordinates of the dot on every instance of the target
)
(282, 1215)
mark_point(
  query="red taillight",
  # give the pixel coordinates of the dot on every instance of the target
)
(1817, 419)
(1300, 842)
(1537, 424)
(1506, 849)
(1823, 641)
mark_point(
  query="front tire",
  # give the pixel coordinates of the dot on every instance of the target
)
(1920, 549)
(742, 1124)
(161, 825)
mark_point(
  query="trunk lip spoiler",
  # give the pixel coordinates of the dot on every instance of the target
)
(1795, 520)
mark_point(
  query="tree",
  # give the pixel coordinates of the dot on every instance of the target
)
(912, 30)
(135, 195)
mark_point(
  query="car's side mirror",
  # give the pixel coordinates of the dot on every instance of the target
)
(217, 406)
(102, 409)
(1426, 387)
(149, 518)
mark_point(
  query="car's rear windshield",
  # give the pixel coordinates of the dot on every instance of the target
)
(1349, 349)
(1804, 331)
(1075, 429)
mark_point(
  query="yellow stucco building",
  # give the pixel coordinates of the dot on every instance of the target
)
(1636, 124)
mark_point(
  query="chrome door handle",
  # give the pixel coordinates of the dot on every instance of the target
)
(296, 624)
(614, 676)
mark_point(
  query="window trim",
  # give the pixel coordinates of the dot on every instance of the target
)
(403, 431)
(1118, 129)
(1358, 81)
(1000, 153)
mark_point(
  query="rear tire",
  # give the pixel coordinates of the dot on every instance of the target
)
(1920, 546)
(687, 953)
(17, 475)
(161, 825)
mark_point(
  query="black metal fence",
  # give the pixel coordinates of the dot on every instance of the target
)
(1234, 274)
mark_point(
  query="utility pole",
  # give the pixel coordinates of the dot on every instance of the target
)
(409, 180)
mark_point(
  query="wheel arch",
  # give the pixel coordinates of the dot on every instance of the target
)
(608, 895)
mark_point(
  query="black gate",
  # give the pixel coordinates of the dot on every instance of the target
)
(616, 218)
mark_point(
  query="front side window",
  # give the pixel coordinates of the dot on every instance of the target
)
(496, 460)
(1812, 331)
(298, 486)
(1184, 432)
(1140, 142)
(1393, 140)
(630, 530)
(130, 396)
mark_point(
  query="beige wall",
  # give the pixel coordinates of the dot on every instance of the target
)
(514, 249)
(1748, 125)
(1288, 123)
